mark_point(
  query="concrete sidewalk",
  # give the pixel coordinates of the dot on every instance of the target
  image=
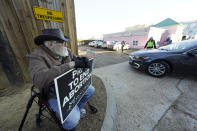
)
(136, 101)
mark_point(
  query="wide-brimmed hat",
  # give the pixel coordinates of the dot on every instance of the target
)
(50, 34)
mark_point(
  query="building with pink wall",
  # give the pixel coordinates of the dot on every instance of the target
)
(135, 38)
(138, 36)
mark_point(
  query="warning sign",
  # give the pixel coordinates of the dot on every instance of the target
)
(47, 14)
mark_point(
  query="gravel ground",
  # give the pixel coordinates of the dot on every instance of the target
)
(13, 108)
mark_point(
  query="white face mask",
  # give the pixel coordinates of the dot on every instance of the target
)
(58, 49)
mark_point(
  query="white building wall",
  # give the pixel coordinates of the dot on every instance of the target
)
(156, 33)
(179, 32)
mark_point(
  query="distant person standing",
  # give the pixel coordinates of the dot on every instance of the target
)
(122, 45)
(184, 38)
(167, 41)
(150, 43)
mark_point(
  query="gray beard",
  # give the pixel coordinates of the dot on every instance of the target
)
(63, 52)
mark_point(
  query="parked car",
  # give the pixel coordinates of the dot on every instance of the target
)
(86, 42)
(92, 43)
(98, 44)
(110, 44)
(180, 57)
(104, 45)
(118, 46)
(81, 43)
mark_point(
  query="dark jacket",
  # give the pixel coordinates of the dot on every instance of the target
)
(44, 66)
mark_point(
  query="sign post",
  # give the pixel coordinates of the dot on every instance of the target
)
(70, 88)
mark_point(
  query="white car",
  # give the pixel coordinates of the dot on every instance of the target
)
(99, 44)
(110, 44)
(92, 43)
(104, 45)
(118, 46)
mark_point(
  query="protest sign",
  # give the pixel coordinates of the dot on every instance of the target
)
(70, 88)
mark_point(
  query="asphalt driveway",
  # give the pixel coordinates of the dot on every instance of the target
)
(145, 103)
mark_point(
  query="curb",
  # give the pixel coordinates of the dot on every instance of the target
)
(109, 123)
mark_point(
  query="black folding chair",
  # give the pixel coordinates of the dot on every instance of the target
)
(44, 106)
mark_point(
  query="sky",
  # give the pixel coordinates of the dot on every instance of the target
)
(97, 17)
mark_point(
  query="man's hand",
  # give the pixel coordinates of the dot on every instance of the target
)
(71, 64)
(86, 61)
(82, 62)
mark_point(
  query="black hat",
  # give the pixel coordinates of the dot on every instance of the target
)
(50, 34)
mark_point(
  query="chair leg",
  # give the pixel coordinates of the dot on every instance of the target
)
(38, 119)
(29, 104)
(92, 108)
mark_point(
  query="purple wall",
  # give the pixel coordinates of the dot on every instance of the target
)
(164, 37)
(141, 40)
(169, 31)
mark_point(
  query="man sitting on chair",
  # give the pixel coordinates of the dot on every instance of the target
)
(51, 59)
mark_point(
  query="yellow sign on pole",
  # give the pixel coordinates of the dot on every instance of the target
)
(48, 14)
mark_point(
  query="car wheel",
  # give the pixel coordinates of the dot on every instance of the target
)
(158, 68)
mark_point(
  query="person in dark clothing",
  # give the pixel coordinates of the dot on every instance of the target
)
(51, 59)
(150, 43)
(122, 45)
(184, 38)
